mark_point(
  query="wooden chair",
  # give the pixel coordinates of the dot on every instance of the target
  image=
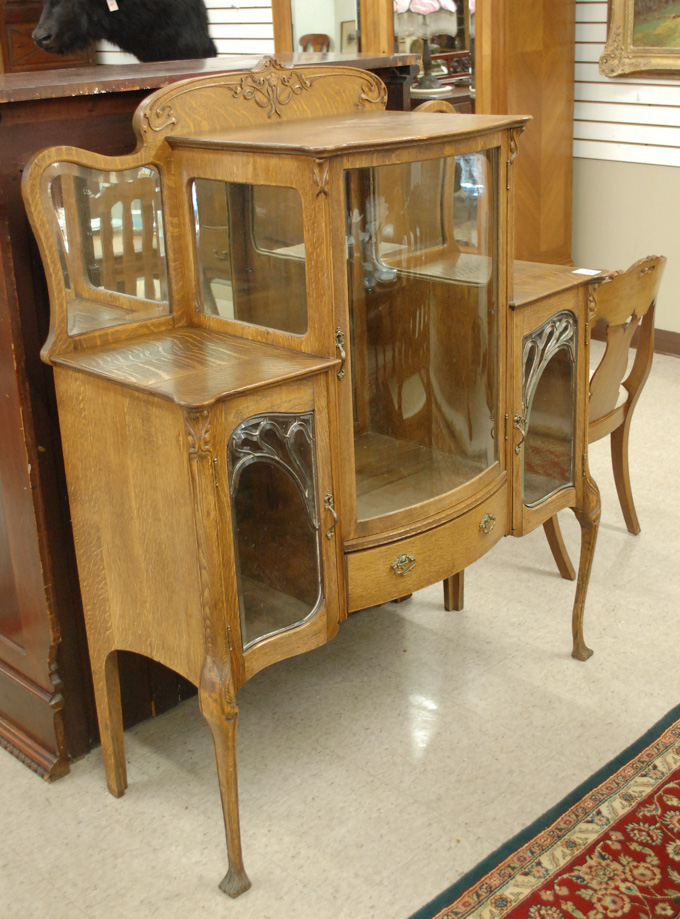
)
(315, 41)
(625, 302)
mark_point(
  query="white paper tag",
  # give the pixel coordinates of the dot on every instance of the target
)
(588, 271)
(112, 5)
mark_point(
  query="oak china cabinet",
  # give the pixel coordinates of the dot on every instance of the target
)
(293, 377)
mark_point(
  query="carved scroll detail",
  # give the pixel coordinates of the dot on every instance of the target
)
(321, 177)
(160, 119)
(274, 439)
(272, 85)
(373, 93)
(197, 425)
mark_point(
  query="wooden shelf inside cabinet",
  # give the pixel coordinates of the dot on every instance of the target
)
(285, 362)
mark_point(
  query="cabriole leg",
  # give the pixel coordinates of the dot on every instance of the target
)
(218, 705)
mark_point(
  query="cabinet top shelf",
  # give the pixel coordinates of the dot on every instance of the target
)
(350, 132)
(194, 367)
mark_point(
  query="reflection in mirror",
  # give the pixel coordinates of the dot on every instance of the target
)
(423, 310)
(272, 474)
(326, 25)
(549, 359)
(250, 253)
(108, 227)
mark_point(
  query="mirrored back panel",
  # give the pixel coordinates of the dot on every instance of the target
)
(109, 233)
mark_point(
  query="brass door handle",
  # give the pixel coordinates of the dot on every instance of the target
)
(519, 424)
(340, 346)
(329, 505)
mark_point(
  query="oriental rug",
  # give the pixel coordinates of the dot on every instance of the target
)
(609, 850)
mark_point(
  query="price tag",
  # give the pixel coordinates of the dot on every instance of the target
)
(112, 5)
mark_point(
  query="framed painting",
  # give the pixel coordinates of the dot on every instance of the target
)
(643, 37)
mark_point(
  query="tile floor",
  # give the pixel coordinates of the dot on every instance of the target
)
(376, 770)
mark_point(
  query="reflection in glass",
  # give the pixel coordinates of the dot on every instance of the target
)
(109, 232)
(423, 295)
(549, 360)
(250, 253)
(272, 474)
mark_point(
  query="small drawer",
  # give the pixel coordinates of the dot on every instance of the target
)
(387, 572)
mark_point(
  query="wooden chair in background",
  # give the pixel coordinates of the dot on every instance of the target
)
(624, 302)
(315, 41)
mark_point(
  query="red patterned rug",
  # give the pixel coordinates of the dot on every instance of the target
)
(610, 850)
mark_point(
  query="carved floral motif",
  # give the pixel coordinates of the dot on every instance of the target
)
(198, 431)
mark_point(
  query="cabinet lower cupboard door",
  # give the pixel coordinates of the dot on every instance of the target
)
(549, 397)
(276, 526)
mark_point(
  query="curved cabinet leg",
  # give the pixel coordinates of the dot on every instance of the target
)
(619, 448)
(454, 590)
(589, 519)
(218, 705)
(110, 717)
(553, 533)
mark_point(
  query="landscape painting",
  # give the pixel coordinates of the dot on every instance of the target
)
(656, 24)
(643, 36)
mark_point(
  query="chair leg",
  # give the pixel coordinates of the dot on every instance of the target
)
(454, 588)
(110, 717)
(553, 533)
(217, 701)
(619, 449)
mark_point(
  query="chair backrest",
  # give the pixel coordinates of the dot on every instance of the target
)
(315, 41)
(436, 105)
(625, 301)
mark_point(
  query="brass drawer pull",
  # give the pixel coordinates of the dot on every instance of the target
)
(488, 523)
(404, 563)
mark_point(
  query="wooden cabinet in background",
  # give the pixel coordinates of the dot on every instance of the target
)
(289, 378)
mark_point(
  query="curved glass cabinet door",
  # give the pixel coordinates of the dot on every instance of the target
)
(549, 398)
(275, 518)
(423, 298)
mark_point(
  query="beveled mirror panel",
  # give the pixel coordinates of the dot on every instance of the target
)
(272, 471)
(108, 228)
(424, 328)
(549, 360)
(250, 254)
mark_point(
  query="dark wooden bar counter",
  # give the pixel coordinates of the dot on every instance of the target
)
(46, 705)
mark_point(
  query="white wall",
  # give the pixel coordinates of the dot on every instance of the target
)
(626, 159)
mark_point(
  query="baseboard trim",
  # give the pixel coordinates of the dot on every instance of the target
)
(667, 342)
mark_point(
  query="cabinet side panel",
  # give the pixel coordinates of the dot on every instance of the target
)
(133, 521)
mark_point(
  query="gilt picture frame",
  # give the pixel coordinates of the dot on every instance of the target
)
(643, 36)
